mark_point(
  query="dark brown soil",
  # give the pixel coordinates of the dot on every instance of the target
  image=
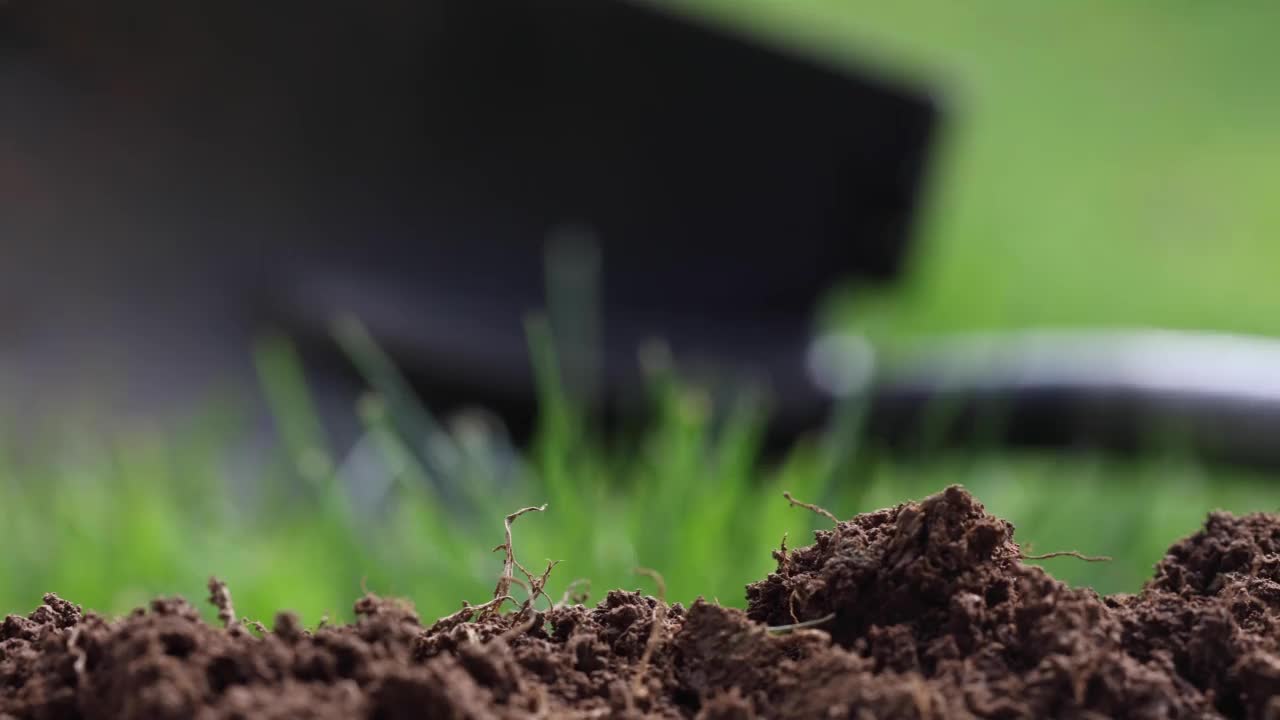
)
(929, 613)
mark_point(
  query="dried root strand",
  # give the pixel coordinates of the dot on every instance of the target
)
(524, 585)
(516, 630)
(537, 585)
(509, 562)
(220, 596)
(1067, 553)
(469, 611)
(655, 629)
(812, 508)
(802, 625)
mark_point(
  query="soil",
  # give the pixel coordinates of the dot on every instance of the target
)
(925, 610)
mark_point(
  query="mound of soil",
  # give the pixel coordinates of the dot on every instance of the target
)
(924, 610)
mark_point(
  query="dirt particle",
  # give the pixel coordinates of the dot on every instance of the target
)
(220, 597)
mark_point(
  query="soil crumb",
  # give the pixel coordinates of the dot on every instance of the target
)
(924, 610)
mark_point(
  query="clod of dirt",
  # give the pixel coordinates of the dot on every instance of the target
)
(927, 612)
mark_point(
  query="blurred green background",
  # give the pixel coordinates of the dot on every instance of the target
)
(1102, 164)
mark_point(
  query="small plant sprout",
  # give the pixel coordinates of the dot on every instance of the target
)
(509, 562)
(534, 585)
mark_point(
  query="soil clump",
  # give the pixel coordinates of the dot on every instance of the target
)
(924, 610)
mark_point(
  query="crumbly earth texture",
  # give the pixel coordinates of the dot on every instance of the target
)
(926, 611)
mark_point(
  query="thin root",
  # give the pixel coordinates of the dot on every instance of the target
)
(812, 508)
(657, 579)
(469, 611)
(538, 585)
(535, 589)
(655, 628)
(574, 596)
(802, 625)
(517, 630)
(220, 596)
(528, 589)
(1068, 553)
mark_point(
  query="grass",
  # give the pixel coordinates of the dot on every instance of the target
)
(1103, 164)
(111, 524)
